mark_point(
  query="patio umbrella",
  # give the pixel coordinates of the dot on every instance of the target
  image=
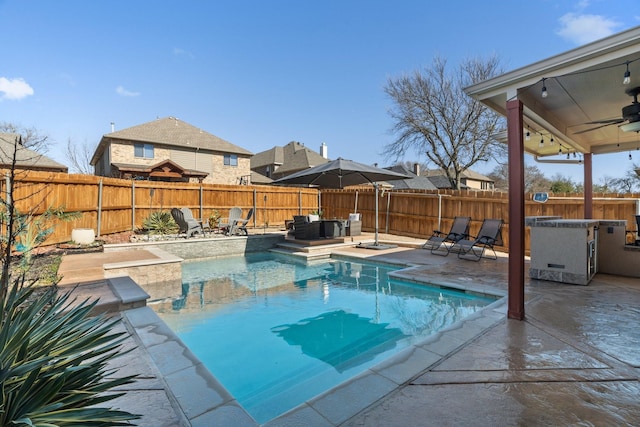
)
(340, 173)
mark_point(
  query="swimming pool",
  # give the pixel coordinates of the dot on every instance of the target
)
(276, 331)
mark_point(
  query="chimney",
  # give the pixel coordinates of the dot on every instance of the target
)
(323, 150)
(416, 168)
(113, 127)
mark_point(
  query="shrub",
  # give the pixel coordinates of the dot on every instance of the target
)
(53, 362)
(160, 222)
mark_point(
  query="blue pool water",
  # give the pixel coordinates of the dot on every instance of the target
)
(276, 331)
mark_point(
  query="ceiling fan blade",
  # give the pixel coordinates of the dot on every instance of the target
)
(598, 127)
(607, 121)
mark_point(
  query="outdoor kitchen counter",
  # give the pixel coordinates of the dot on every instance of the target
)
(564, 250)
(566, 223)
(615, 256)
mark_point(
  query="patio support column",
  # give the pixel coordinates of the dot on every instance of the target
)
(588, 186)
(516, 210)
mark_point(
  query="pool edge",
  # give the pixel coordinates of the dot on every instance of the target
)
(180, 366)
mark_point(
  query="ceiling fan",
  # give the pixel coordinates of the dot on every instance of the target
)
(630, 114)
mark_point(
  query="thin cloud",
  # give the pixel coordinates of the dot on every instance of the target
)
(123, 92)
(181, 52)
(14, 88)
(582, 29)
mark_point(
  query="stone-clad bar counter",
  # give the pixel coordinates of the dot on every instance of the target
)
(574, 250)
(563, 250)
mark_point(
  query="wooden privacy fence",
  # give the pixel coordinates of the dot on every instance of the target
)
(110, 205)
(418, 213)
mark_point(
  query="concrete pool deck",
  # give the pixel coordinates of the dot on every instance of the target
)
(574, 360)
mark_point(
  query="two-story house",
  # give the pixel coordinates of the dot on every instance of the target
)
(278, 162)
(170, 149)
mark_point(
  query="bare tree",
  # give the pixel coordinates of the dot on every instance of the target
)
(22, 230)
(434, 116)
(79, 157)
(534, 179)
(627, 183)
(30, 137)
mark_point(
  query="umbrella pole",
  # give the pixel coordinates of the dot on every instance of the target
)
(376, 239)
(355, 209)
(376, 244)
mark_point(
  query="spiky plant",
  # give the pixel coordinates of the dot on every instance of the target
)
(53, 362)
(160, 222)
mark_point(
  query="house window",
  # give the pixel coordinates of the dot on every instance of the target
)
(143, 150)
(231, 160)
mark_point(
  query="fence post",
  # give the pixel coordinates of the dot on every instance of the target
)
(133, 205)
(99, 206)
(299, 202)
(255, 208)
(201, 213)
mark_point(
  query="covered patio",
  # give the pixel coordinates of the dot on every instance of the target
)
(564, 109)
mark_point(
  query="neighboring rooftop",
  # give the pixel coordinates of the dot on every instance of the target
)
(25, 157)
(414, 183)
(287, 159)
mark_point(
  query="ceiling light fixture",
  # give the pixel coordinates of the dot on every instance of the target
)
(544, 88)
(527, 136)
(551, 141)
(627, 76)
(541, 142)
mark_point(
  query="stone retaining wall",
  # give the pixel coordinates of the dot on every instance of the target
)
(194, 248)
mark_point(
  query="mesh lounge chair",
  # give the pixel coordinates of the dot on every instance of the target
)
(228, 226)
(185, 226)
(241, 224)
(440, 243)
(490, 235)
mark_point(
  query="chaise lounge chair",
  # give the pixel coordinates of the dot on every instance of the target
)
(228, 226)
(490, 235)
(440, 243)
(187, 225)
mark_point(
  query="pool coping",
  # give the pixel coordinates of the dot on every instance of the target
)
(205, 401)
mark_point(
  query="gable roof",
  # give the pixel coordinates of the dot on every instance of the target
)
(164, 168)
(414, 183)
(25, 157)
(172, 132)
(291, 158)
(469, 174)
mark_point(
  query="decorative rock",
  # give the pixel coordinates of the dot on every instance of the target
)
(83, 236)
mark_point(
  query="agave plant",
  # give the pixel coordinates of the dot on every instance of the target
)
(53, 362)
(160, 222)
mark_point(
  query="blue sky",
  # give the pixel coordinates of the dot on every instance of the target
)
(264, 73)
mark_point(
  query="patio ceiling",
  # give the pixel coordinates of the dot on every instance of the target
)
(583, 85)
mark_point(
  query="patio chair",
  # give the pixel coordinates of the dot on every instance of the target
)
(241, 224)
(188, 227)
(440, 242)
(228, 225)
(490, 235)
(305, 229)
